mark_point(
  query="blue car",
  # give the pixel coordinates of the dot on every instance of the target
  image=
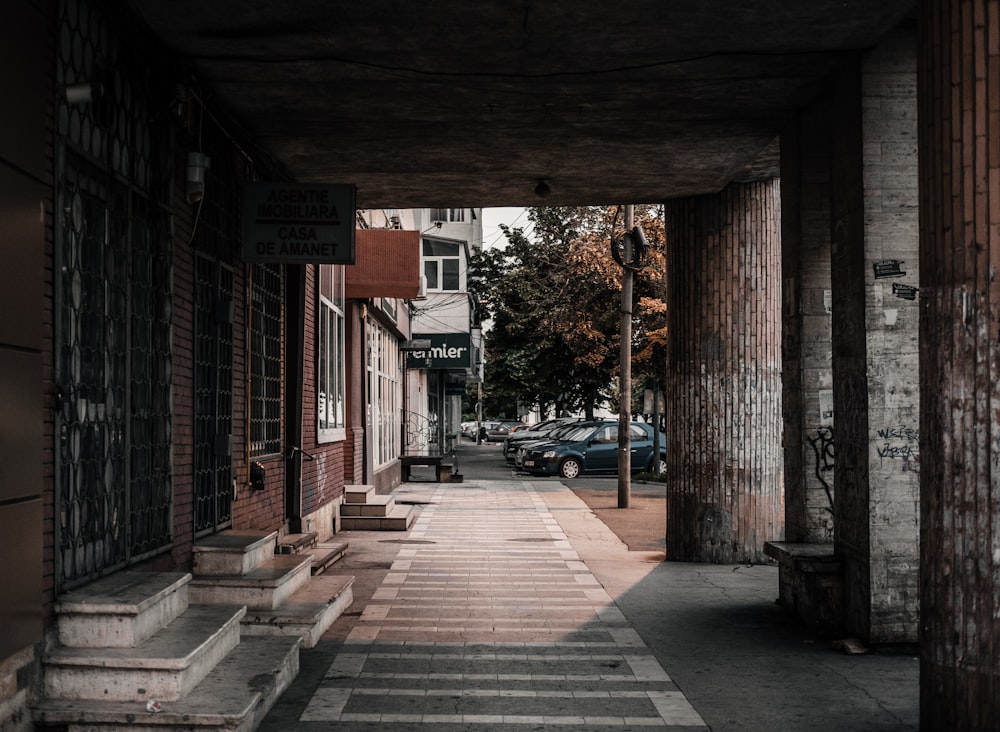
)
(592, 449)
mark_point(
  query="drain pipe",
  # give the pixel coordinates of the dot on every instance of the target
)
(295, 302)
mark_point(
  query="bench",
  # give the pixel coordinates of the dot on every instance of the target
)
(810, 582)
(424, 457)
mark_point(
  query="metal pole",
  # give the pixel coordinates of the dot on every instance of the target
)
(625, 372)
(479, 412)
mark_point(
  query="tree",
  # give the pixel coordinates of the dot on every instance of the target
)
(554, 303)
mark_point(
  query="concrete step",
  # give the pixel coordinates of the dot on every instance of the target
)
(297, 543)
(399, 520)
(326, 554)
(263, 588)
(358, 493)
(234, 697)
(307, 614)
(121, 610)
(166, 666)
(233, 552)
(375, 506)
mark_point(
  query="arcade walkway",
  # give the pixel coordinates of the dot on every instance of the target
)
(510, 606)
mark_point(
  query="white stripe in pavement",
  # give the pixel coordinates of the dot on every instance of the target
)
(674, 707)
(543, 720)
(646, 668)
(326, 704)
(496, 693)
(347, 665)
(375, 612)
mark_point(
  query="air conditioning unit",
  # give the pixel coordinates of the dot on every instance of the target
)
(422, 292)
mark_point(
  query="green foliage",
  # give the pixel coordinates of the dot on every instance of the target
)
(554, 303)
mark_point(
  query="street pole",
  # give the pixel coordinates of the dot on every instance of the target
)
(625, 371)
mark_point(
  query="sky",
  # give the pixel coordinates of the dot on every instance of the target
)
(493, 217)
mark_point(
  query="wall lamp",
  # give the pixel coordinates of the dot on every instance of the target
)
(197, 163)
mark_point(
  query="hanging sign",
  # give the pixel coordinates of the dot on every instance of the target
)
(293, 223)
(445, 351)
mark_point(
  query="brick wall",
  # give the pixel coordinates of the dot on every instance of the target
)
(323, 477)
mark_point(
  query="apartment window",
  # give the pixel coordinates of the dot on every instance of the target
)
(265, 359)
(441, 265)
(453, 215)
(330, 354)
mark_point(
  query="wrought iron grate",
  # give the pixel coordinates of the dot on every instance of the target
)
(113, 304)
(265, 359)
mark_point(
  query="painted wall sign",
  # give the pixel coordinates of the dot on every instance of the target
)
(906, 292)
(888, 268)
(447, 351)
(293, 223)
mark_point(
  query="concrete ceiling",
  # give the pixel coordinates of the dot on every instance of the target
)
(472, 103)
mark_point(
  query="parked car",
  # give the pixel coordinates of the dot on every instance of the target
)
(534, 432)
(592, 448)
(497, 430)
(556, 435)
(469, 430)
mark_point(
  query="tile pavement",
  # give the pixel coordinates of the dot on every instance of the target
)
(487, 618)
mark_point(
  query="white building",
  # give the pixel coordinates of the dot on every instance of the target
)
(446, 343)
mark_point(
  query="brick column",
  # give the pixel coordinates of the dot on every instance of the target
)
(724, 497)
(959, 83)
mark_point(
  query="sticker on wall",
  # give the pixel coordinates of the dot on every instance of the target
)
(904, 292)
(828, 302)
(826, 406)
(888, 268)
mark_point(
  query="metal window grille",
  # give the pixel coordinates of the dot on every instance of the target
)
(112, 304)
(213, 390)
(265, 359)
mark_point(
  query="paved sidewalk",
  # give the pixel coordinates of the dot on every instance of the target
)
(510, 606)
(488, 619)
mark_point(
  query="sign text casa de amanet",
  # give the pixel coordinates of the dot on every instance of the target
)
(299, 223)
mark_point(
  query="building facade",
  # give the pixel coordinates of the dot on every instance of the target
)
(159, 389)
(444, 354)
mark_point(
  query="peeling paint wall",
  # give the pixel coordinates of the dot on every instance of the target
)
(875, 341)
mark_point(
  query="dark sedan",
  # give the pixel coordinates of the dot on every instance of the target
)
(592, 449)
(533, 433)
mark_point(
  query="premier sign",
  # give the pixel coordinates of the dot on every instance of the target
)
(446, 351)
(291, 223)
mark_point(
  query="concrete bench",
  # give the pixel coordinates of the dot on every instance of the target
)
(810, 581)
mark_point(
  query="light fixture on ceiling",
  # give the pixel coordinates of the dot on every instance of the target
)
(197, 163)
(83, 93)
(542, 189)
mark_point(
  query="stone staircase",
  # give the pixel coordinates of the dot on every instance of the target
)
(133, 653)
(364, 510)
(280, 592)
(323, 554)
(214, 650)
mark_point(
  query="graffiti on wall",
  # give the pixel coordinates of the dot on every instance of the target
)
(900, 443)
(822, 445)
